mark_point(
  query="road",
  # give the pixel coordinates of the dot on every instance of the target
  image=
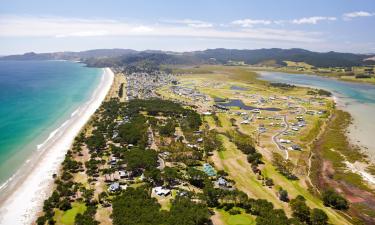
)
(275, 137)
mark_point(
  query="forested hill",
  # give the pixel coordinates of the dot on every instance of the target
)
(257, 56)
(110, 57)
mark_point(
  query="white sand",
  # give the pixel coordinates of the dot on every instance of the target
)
(362, 131)
(26, 198)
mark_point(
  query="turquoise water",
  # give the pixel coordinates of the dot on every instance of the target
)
(35, 98)
(363, 93)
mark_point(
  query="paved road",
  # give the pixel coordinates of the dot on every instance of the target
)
(275, 137)
(161, 162)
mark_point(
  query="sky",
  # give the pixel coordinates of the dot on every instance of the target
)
(181, 25)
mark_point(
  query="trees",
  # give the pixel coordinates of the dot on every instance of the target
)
(283, 195)
(318, 217)
(135, 207)
(255, 158)
(154, 176)
(168, 129)
(299, 208)
(273, 217)
(134, 132)
(185, 212)
(87, 218)
(170, 175)
(96, 141)
(196, 177)
(137, 159)
(65, 204)
(285, 167)
(333, 199)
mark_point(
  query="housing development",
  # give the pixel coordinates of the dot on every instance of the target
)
(200, 145)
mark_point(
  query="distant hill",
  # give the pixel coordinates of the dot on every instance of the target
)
(280, 55)
(276, 56)
(96, 53)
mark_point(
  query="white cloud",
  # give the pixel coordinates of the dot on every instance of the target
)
(92, 33)
(251, 22)
(142, 29)
(11, 26)
(313, 20)
(351, 15)
(191, 23)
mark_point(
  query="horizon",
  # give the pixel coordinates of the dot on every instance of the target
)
(54, 26)
(180, 52)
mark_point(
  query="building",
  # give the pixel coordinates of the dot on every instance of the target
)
(222, 182)
(114, 187)
(161, 191)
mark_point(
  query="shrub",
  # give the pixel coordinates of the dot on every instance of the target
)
(332, 199)
(234, 211)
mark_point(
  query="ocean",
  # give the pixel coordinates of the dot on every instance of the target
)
(36, 97)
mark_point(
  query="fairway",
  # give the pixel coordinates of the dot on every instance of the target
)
(67, 217)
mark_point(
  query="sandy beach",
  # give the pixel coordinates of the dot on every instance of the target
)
(363, 128)
(32, 183)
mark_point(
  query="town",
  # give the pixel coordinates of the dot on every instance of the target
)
(218, 147)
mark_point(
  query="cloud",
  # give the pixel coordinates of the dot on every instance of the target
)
(191, 23)
(56, 27)
(251, 22)
(142, 29)
(305, 20)
(351, 15)
(313, 20)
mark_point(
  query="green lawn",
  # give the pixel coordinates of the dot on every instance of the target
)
(67, 217)
(240, 219)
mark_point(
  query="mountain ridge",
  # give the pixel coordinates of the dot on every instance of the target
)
(217, 55)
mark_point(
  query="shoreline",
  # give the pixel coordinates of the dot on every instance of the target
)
(333, 77)
(33, 184)
(358, 132)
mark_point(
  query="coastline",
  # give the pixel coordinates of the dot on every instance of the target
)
(360, 130)
(27, 191)
(325, 75)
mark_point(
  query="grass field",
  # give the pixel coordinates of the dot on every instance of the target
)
(239, 219)
(67, 217)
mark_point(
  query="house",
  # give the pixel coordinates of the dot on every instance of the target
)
(256, 111)
(124, 174)
(299, 118)
(113, 161)
(310, 112)
(245, 122)
(222, 182)
(161, 191)
(114, 187)
(192, 145)
(296, 147)
(295, 128)
(301, 123)
(285, 141)
(261, 129)
(322, 112)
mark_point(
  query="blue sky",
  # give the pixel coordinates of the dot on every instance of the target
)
(73, 25)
